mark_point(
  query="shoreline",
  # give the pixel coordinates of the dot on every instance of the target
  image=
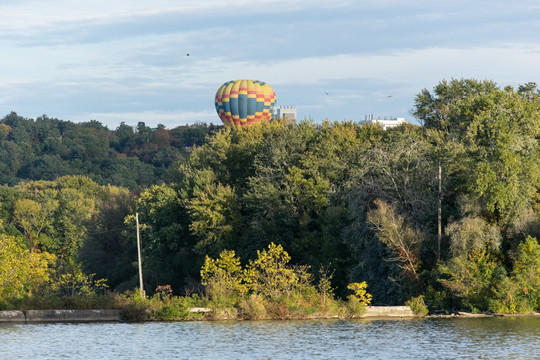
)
(115, 315)
(43, 316)
(465, 314)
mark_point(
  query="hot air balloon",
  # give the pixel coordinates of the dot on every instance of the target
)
(245, 102)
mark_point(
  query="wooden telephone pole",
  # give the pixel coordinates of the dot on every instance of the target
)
(439, 215)
(139, 255)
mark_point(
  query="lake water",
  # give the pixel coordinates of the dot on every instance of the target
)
(477, 338)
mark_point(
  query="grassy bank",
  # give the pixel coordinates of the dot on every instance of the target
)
(251, 307)
(195, 307)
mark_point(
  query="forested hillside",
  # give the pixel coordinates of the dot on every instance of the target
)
(353, 202)
(47, 148)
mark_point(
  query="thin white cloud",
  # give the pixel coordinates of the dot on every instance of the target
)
(150, 118)
(26, 15)
(189, 87)
(505, 64)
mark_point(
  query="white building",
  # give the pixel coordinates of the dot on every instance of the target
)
(386, 123)
(287, 113)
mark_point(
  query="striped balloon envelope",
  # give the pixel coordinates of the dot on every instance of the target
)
(245, 102)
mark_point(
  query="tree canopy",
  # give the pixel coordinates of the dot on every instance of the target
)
(48, 148)
(342, 198)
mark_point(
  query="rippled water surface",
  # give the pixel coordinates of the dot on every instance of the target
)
(486, 338)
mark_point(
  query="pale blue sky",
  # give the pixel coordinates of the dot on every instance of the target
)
(125, 60)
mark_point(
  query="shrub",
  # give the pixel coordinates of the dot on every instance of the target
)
(437, 299)
(508, 299)
(223, 279)
(325, 285)
(164, 291)
(418, 306)
(473, 278)
(276, 309)
(271, 288)
(252, 308)
(134, 312)
(526, 272)
(73, 282)
(357, 302)
(359, 293)
(269, 275)
(136, 307)
(353, 307)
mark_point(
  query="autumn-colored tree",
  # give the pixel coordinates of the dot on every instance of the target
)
(404, 241)
(359, 293)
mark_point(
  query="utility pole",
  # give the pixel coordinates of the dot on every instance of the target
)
(439, 215)
(139, 255)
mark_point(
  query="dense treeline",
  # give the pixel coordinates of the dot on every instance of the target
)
(361, 203)
(45, 227)
(353, 202)
(48, 148)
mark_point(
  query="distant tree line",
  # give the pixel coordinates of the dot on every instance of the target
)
(48, 148)
(353, 202)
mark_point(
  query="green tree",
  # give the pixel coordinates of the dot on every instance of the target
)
(498, 130)
(22, 272)
(109, 250)
(168, 246)
(270, 275)
(71, 219)
(215, 218)
(471, 234)
(59, 211)
(34, 217)
(526, 272)
(473, 279)
(503, 141)
(444, 109)
(223, 278)
(401, 169)
(286, 194)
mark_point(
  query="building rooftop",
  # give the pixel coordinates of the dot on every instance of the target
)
(385, 122)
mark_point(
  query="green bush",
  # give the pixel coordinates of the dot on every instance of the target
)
(134, 312)
(223, 278)
(437, 299)
(136, 307)
(508, 299)
(168, 308)
(170, 312)
(353, 307)
(418, 306)
(526, 272)
(473, 279)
